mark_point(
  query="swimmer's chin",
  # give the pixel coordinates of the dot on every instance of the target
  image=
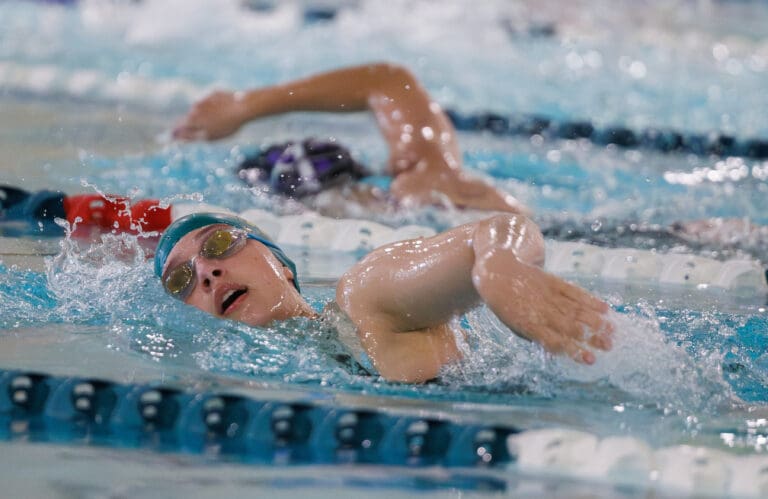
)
(243, 313)
(236, 305)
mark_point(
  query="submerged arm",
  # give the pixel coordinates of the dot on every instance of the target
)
(403, 296)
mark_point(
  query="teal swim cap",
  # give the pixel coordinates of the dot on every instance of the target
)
(188, 223)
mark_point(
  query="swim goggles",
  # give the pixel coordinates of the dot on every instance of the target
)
(184, 225)
(220, 244)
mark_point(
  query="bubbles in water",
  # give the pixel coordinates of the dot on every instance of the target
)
(648, 366)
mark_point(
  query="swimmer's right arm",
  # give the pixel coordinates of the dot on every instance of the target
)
(403, 296)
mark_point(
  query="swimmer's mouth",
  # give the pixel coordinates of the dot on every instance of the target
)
(230, 298)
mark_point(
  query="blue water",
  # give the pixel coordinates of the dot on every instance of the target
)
(688, 367)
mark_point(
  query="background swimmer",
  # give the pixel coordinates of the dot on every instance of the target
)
(424, 155)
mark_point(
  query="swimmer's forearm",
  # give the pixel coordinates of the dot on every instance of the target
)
(343, 90)
(535, 304)
(401, 106)
(418, 286)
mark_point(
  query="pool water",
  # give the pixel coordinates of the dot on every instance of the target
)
(88, 96)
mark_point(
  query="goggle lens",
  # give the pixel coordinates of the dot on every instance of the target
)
(218, 244)
(179, 280)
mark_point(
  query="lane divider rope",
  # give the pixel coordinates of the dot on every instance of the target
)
(47, 79)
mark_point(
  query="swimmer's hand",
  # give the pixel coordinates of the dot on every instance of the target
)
(216, 116)
(543, 308)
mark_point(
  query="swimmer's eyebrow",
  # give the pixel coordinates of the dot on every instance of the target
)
(172, 262)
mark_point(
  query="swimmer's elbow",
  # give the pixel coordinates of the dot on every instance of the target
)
(513, 232)
(393, 74)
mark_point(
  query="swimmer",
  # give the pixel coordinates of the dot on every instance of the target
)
(402, 299)
(399, 303)
(424, 157)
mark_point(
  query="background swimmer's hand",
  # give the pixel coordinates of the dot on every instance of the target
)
(543, 308)
(216, 116)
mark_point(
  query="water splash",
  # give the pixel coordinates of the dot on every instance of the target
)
(108, 282)
(645, 366)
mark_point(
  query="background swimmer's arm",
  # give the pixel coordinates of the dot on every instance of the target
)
(402, 297)
(344, 90)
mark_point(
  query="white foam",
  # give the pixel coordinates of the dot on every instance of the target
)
(83, 82)
(431, 38)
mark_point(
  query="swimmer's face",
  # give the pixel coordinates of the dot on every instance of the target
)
(250, 285)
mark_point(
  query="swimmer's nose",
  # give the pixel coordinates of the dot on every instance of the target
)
(207, 272)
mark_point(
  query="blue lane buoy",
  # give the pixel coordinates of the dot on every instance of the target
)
(477, 445)
(756, 148)
(530, 124)
(25, 393)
